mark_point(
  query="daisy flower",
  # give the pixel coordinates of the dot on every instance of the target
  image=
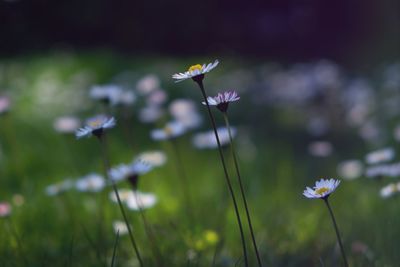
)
(130, 172)
(171, 130)
(379, 156)
(90, 183)
(196, 72)
(66, 124)
(222, 100)
(389, 190)
(207, 139)
(185, 111)
(95, 126)
(55, 189)
(5, 104)
(154, 158)
(120, 227)
(322, 189)
(135, 200)
(350, 169)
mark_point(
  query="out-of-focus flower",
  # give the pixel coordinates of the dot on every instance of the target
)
(123, 193)
(112, 94)
(196, 72)
(120, 227)
(58, 188)
(320, 148)
(171, 130)
(322, 189)
(390, 170)
(130, 171)
(148, 84)
(184, 111)
(135, 200)
(5, 104)
(150, 114)
(154, 158)
(389, 190)
(66, 124)
(207, 139)
(208, 239)
(350, 169)
(90, 183)
(95, 126)
(379, 156)
(157, 98)
(5, 209)
(222, 100)
(141, 200)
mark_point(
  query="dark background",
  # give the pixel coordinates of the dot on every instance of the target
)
(278, 29)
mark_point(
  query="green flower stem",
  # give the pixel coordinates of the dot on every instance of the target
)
(228, 181)
(235, 161)
(182, 175)
(337, 232)
(106, 169)
(149, 232)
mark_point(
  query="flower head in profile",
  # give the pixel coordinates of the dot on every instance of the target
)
(222, 100)
(95, 126)
(196, 72)
(130, 172)
(135, 200)
(90, 183)
(154, 158)
(322, 189)
(171, 130)
(207, 140)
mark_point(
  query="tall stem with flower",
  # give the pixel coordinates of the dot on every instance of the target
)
(96, 127)
(196, 73)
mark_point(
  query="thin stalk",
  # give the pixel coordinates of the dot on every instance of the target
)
(106, 168)
(228, 181)
(115, 249)
(149, 231)
(337, 232)
(182, 175)
(235, 161)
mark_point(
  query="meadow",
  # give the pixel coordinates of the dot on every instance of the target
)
(294, 124)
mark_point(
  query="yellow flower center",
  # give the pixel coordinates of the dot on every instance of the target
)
(95, 123)
(195, 67)
(322, 190)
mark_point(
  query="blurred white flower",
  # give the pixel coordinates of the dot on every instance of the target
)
(112, 94)
(350, 169)
(322, 189)
(95, 126)
(173, 129)
(5, 209)
(5, 104)
(141, 200)
(207, 139)
(150, 114)
(60, 187)
(148, 84)
(66, 124)
(135, 200)
(127, 171)
(154, 158)
(120, 227)
(90, 183)
(222, 100)
(379, 156)
(157, 98)
(389, 170)
(389, 190)
(185, 111)
(320, 148)
(196, 71)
